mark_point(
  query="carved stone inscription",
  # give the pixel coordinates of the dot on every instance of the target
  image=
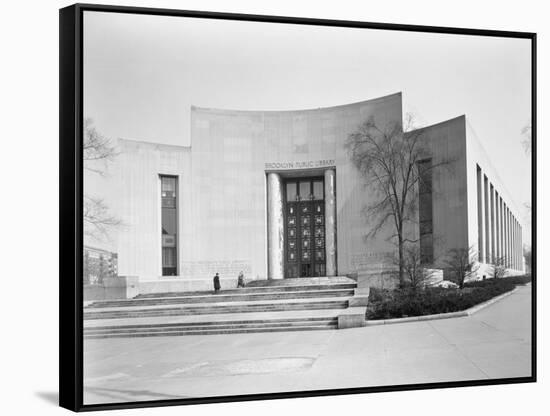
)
(307, 164)
(226, 268)
(372, 261)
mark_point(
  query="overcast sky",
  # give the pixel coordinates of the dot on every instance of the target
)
(143, 73)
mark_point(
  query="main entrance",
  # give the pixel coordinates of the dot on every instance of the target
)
(304, 217)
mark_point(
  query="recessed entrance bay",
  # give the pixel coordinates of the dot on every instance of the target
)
(301, 224)
(304, 227)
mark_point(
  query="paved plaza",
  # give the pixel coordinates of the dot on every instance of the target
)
(493, 343)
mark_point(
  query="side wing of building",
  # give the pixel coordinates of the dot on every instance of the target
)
(494, 221)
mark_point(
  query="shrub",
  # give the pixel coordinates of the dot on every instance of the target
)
(520, 280)
(398, 303)
(503, 281)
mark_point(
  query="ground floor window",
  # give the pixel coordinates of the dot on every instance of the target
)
(169, 221)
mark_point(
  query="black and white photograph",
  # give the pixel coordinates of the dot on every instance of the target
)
(284, 207)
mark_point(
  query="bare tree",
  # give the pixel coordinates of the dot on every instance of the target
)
(498, 267)
(96, 149)
(98, 221)
(388, 157)
(97, 152)
(462, 263)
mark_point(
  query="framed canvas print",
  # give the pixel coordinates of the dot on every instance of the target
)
(257, 207)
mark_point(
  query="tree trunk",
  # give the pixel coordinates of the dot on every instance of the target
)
(401, 254)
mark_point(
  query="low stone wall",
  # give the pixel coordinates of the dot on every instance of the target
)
(352, 317)
(384, 280)
(120, 287)
(94, 292)
(390, 279)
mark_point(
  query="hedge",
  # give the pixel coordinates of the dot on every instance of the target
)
(399, 303)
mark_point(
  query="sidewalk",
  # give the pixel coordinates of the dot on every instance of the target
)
(493, 343)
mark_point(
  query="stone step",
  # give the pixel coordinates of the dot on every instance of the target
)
(271, 306)
(213, 331)
(255, 289)
(301, 281)
(264, 306)
(223, 297)
(212, 323)
(219, 302)
(208, 326)
(247, 317)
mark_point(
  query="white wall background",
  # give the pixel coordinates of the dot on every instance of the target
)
(29, 206)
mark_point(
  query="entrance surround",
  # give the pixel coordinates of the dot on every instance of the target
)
(275, 227)
(330, 221)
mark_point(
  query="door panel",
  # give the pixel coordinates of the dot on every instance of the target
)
(292, 249)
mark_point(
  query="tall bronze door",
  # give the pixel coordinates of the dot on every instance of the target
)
(304, 227)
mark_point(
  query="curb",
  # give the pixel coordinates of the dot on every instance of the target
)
(483, 305)
(467, 312)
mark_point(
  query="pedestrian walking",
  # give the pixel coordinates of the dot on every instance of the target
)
(240, 279)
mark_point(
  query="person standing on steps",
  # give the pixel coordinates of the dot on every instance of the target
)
(240, 279)
(217, 286)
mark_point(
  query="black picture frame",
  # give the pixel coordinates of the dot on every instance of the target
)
(71, 201)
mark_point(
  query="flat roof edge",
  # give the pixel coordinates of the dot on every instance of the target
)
(237, 111)
(440, 123)
(155, 144)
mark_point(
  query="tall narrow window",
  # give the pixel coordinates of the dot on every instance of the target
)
(480, 250)
(488, 255)
(425, 211)
(497, 226)
(492, 219)
(502, 232)
(169, 222)
(507, 234)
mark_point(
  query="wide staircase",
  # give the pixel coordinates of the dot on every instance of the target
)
(263, 306)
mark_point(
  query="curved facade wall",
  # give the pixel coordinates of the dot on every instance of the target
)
(233, 151)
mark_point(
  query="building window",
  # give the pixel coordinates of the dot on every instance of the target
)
(425, 209)
(318, 190)
(501, 225)
(487, 220)
(305, 191)
(291, 191)
(169, 221)
(492, 219)
(479, 215)
(497, 226)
